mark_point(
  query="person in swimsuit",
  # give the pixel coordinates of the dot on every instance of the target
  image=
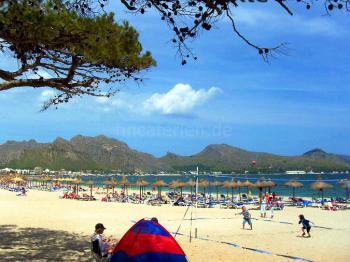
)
(246, 217)
(306, 225)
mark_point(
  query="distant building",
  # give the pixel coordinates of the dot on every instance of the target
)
(295, 172)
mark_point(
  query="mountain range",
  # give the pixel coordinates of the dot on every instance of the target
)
(108, 154)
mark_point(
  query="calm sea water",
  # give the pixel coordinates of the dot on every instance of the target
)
(280, 179)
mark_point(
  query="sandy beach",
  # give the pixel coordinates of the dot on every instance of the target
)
(42, 227)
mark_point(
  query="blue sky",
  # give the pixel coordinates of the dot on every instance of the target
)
(229, 95)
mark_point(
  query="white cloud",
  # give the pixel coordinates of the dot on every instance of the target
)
(265, 19)
(180, 99)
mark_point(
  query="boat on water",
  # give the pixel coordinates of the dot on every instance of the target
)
(295, 172)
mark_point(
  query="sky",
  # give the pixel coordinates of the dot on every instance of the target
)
(288, 106)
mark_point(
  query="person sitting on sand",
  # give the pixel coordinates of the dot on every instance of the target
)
(246, 217)
(99, 247)
(154, 219)
(306, 225)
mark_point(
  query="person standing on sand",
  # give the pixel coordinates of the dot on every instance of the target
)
(306, 225)
(263, 206)
(246, 217)
(99, 247)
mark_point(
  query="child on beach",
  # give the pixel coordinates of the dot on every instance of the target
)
(306, 225)
(246, 217)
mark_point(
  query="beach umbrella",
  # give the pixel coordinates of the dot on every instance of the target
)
(144, 185)
(190, 183)
(239, 184)
(247, 184)
(17, 180)
(113, 183)
(65, 180)
(70, 180)
(77, 182)
(226, 184)
(107, 183)
(139, 183)
(217, 184)
(48, 180)
(181, 184)
(345, 183)
(260, 184)
(90, 184)
(151, 242)
(321, 186)
(124, 184)
(232, 185)
(270, 184)
(43, 181)
(294, 184)
(159, 184)
(174, 184)
(203, 183)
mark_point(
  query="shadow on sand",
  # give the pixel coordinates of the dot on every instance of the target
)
(40, 244)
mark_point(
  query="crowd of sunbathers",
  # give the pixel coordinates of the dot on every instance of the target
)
(74, 195)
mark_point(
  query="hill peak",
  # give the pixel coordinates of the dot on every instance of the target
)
(315, 151)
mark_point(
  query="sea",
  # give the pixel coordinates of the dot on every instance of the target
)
(279, 179)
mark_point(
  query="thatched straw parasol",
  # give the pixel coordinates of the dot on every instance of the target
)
(107, 183)
(159, 184)
(320, 185)
(270, 184)
(177, 184)
(90, 184)
(113, 183)
(294, 184)
(141, 183)
(261, 184)
(230, 184)
(217, 184)
(190, 183)
(345, 183)
(44, 180)
(203, 183)
(247, 184)
(17, 179)
(144, 185)
(77, 182)
(174, 184)
(226, 184)
(181, 184)
(124, 183)
(239, 185)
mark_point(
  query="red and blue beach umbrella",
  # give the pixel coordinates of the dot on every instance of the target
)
(148, 241)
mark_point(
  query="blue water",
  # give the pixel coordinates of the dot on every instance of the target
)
(280, 179)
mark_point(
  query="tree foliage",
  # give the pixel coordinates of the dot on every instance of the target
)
(79, 52)
(81, 47)
(188, 18)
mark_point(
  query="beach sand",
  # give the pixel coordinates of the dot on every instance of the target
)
(42, 227)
